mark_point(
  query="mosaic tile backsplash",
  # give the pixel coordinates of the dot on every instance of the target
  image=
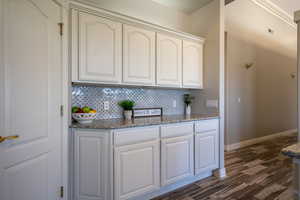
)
(94, 97)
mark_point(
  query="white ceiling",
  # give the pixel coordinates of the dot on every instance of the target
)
(186, 6)
(250, 22)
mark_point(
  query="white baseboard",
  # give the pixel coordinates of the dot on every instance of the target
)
(245, 143)
(220, 173)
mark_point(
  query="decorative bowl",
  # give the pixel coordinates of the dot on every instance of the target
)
(84, 118)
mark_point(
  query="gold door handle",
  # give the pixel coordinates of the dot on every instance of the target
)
(13, 137)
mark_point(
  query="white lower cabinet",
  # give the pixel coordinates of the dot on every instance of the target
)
(92, 166)
(206, 151)
(136, 169)
(142, 162)
(177, 159)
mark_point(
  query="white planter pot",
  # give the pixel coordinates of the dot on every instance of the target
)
(188, 109)
(127, 114)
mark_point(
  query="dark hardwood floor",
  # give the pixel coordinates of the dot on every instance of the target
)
(257, 172)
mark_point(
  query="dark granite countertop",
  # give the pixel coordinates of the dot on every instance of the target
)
(292, 151)
(145, 121)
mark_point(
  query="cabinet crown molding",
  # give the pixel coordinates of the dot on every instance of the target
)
(93, 8)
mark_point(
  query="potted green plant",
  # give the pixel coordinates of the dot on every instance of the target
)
(187, 98)
(127, 106)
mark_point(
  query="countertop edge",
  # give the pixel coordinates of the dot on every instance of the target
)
(152, 123)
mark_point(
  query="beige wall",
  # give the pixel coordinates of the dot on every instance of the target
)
(1, 73)
(276, 92)
(210, 29)
(267, 92)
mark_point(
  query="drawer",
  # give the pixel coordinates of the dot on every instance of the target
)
(206, 125)
(135, 135)
(174, 130)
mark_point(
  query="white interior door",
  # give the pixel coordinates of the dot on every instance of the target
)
(30, 165)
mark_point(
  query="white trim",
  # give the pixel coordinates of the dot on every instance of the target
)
(276, 11)
(222, 86)
(220, 173)
(246, 143)
(65, 101)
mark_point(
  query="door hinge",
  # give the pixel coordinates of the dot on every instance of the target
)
(61, 110)
(62, 192)
(61, 28)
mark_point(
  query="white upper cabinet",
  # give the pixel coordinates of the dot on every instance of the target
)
(138, 56)
(169, 61)
(192, 64)
(100, 49)
(115, 50)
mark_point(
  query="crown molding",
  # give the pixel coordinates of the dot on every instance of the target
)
(276, 11)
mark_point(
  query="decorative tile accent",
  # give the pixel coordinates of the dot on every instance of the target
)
(94, 97)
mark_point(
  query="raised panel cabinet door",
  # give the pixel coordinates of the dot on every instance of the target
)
(91, 166)
(136, 169)
(169, 61)
(177, 159)
(138, 56)
(30, 100)
(206, 151)
(100, 49)
(192, 64)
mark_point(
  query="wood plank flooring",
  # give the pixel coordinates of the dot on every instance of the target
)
(257, 172)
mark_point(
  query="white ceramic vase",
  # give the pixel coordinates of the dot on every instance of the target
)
(127, 114)
(188, 109)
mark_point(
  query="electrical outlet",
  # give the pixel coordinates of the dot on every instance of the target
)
(106, 105)
(174, 104)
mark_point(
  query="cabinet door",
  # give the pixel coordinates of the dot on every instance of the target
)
(91, 166)
(169, 61)
(177, 159)
(206, 151)
(192, 65)
(136, 169)
(139, 56)
(100, 49)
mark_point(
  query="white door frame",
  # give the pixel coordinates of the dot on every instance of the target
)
(66, 101)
